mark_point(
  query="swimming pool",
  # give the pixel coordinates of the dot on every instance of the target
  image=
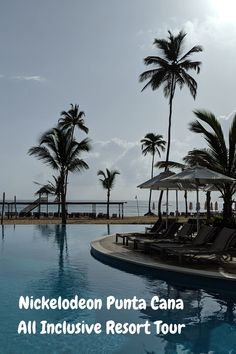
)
(51, 261)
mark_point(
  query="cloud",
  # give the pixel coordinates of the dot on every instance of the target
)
(211, 31)
(36, 78)
(115, 153)
(28, 78)
(126, 157)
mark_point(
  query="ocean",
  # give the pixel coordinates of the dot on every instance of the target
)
(131, 207)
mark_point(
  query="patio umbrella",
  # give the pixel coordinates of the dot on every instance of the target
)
(159, 182)
(199, 176)
(155, 184)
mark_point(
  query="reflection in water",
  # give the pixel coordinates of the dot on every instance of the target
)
(3, 238)
(64, 280)
(57, 264)
(202, 321)
(206, 314)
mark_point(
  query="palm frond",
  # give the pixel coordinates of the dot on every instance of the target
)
(195, 49)
(169, 164)
(42, 153)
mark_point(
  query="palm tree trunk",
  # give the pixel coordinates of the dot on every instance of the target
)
(67, 172)
(208, 205)
(63, 199)
(159, 205)
(227, 208)
(172, 91)
(59, 205)
(63, 208)
(170, 118)
(108, 203)
(150, 193)
(186, 203)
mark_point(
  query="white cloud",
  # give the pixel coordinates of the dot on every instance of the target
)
(126, 157)
(115, 153)
(212, 30)
(28, 78)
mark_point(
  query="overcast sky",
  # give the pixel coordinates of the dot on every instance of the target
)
(91, 52)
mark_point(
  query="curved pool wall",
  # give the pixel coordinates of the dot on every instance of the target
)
(51, 261)
(178, 276)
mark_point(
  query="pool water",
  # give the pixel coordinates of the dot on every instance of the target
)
(52, 261)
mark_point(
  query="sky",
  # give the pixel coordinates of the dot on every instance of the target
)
(54, 53)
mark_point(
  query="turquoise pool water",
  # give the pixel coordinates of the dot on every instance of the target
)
(51, 261)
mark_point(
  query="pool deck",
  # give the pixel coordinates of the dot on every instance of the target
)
(106, 249)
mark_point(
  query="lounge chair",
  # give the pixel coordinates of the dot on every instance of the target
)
(166, 235)
(158, 226)
(220, 247)
(204, 236)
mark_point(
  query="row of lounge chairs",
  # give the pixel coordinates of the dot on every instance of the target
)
(56, 215)
(178, 241)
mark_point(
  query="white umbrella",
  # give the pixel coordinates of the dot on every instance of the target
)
(155, 183)
(199, 176)
(159, 182)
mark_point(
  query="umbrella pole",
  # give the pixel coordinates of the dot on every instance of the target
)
(198, 209)
(167, 206)
(177, 204)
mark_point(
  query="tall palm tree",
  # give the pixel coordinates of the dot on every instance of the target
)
(171, 70)
(70, 120)
(63, 155)
(220, 155)
(152, 144)
(73, 118)
(108, 182)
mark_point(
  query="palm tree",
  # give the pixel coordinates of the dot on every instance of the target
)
(53, 188)
(219, 156)
(171, 70)
(63, 155)
(56, 187)
(73, 118)
(108, 182)
(70, 120)
(152, 144)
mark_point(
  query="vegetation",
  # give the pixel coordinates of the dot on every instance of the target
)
(71, 119)
(152, 144)
(171, 70)
(108, 182)
(63, 155)
(219, 156)
(53, 188)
